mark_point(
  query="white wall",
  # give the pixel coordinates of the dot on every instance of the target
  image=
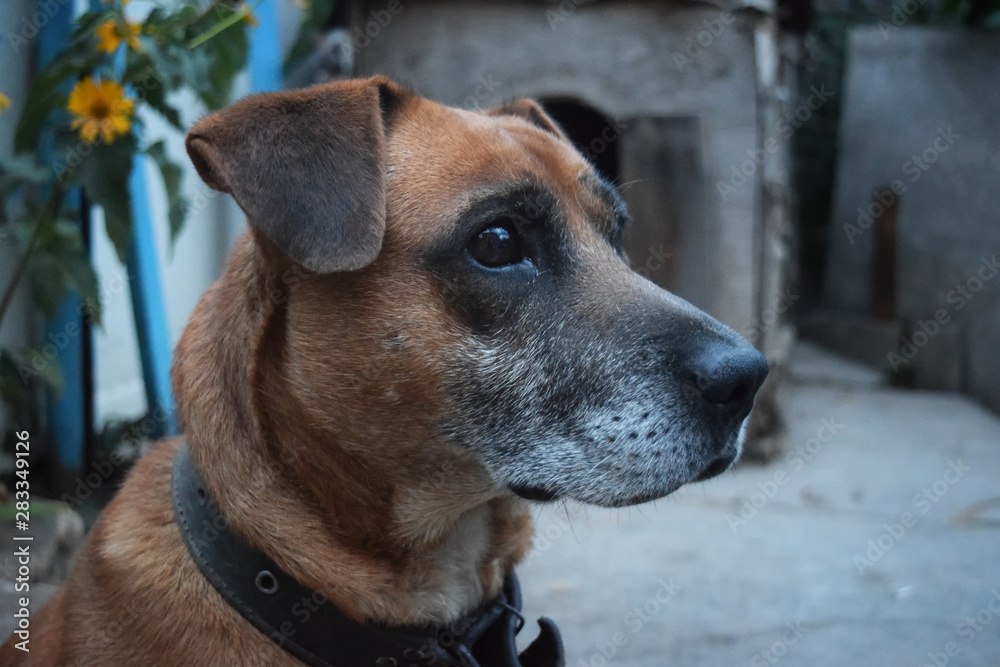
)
(187, 268)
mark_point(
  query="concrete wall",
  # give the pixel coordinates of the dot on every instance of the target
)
(921, 110)
(621, 58)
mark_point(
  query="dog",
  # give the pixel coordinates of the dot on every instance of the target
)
(429, 326)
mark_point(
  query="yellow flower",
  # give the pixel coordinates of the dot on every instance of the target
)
(4, 102)
(110, 38)
(100, 107)
(248, 16)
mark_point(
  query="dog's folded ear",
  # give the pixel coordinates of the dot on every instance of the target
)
(306, 166)
(531, 111)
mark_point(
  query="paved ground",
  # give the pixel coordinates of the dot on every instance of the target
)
(57, 534)
(875, 541)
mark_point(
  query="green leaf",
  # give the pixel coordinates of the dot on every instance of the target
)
(142, 73)
(49, 92)
(14, 379)
(11, 386)
(316, 18)
(48, 369)
(19, 370)
(44, 97)
(60, 265)
(197, 71)
(104, 175)
(50, 88)
(228, 56)
(191, 68)
(84, 38)
(171, 174)
(22, 169)
(227, 17)
(208, 70)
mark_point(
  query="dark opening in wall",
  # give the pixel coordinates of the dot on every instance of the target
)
(593, 133)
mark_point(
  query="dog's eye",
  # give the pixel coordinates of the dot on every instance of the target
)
(496, 246)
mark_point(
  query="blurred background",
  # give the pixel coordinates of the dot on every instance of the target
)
(820, 175)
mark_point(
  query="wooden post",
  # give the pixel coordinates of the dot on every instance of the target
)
(883, 304)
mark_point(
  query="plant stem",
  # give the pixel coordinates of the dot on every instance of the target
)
(236, 17)
(51, 208)
(190, 22)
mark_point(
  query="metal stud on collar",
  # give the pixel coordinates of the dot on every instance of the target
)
(266, 582)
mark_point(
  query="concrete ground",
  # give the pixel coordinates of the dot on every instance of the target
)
(874, 541)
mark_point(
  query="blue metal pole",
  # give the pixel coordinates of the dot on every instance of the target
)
(148, 307)
(147, 293)
(66, 413)
(265, 50)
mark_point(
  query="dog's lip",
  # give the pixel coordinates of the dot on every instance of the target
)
(715, 468)
(631, 500)
(534, 493)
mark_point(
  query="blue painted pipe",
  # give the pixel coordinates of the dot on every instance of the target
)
(148, 307)
(147, 293)
(265, 50)
(67, 413)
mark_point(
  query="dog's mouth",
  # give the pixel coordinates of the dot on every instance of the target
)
(534, 493)
(716, 468)
(604, 498)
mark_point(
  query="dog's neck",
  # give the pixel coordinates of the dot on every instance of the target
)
(386, 534)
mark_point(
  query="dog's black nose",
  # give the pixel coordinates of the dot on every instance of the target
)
(729, 376)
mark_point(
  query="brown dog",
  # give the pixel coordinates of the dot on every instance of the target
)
(429, 324)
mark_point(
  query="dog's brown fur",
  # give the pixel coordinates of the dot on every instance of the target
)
(364, 415)
(310, 424)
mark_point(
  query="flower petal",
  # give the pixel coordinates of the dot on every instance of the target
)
(107, 35)
(89, 131)
(121, 124)
(107, 131)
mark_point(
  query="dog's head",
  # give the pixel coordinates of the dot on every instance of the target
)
(458, 287)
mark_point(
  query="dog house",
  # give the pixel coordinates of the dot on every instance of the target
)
(679, 103)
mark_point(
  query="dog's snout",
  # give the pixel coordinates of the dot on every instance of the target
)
(729, 377)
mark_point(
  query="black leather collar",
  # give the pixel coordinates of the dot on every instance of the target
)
(307, 625)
